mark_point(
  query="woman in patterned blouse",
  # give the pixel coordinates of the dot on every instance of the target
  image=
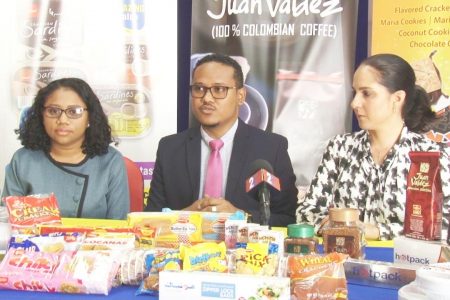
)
(368, 169)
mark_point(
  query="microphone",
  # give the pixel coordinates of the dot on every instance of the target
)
(261, 176)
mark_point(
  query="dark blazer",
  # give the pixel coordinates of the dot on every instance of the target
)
(176, 176)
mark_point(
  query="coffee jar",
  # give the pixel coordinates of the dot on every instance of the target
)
(344, 233)
(300, 239)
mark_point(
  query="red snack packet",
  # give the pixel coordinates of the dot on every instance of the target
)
(424, 198)
(25, 212)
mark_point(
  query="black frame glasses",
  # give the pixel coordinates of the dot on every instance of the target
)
(217, 91)
(72, 112)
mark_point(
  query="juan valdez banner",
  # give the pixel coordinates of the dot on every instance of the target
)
(298, 61)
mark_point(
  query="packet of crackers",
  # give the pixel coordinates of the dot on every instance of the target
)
(161, 260)
(174, 227)
(50, 243)
(144, 236)
(316, 276)
(37, 271)
(424, 198)
(132, 267)
(101, 240)
(61, 228)
(26, 212)
(89, 272)
(213, 224)
(96, 270)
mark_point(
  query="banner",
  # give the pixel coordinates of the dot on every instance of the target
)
(298, 61)
(116, 46)
(419, 31)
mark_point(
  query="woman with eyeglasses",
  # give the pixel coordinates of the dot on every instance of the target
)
(66, 150)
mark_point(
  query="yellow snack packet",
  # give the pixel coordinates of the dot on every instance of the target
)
(204, 257)
(255, 260)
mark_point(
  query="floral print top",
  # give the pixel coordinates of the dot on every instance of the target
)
(348, 177)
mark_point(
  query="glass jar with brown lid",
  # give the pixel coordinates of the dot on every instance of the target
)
(344, 233)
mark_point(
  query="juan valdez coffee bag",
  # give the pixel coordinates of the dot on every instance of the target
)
(424, 198)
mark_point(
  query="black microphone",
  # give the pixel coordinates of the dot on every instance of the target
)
(261, 176)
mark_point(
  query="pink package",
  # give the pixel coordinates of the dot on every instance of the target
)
(65, 272)
(37, 271)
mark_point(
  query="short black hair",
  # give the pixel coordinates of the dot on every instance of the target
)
(98, 136)
(225, 60)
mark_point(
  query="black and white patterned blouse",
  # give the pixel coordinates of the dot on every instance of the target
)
(348, 177)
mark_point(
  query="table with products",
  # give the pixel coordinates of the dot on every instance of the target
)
(381, 251)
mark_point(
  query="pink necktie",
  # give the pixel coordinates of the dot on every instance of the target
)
(213, 182)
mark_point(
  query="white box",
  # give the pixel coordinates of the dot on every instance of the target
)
(209, 285)
(420, 252)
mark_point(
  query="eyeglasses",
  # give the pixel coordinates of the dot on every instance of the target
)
(217, 91)
(72, 112)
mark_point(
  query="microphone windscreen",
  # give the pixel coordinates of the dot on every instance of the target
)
(259, 164)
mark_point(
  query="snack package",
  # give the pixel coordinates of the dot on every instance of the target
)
(255, 259)
(231, 232)
(132, 267)
(145, 237)
(162, 260)
(175, 227)
(61, 228)
(37, 271)
(424, 198)
(208, 256)
(50, 243)
(213, 224)
(98, 240)
(316, 276)
(95, 270)
(26, 212)
(89, 272)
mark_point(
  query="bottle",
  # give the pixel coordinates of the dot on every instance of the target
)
(300, 239)
(344, 233)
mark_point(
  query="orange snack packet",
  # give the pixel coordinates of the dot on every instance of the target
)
(318, 276)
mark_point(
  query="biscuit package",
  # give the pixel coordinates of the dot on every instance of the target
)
(317, 276)
(162, 260)
(89, 272)
(50, 243)
(424, 198)
(98, 240)
(174, 227)
(132, 267)
(26, 212)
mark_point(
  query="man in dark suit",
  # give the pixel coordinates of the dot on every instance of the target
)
(180, 171)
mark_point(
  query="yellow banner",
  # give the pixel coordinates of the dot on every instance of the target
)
(418, 31)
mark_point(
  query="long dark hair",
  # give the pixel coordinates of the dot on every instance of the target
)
(98, 136)
(396, 74)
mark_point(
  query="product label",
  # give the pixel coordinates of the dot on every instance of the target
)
(297, 249)
(341, 244)
(218, 290)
